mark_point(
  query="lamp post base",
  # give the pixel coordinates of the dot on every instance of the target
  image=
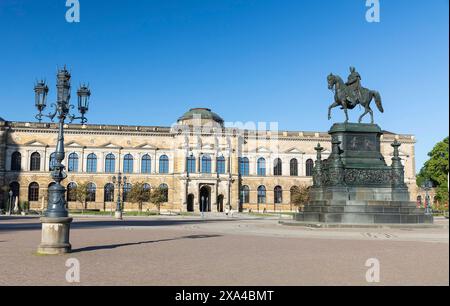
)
(55, 236)
(118, 215)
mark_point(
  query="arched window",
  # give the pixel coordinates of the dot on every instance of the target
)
(146, 166)
(72, 192)
(245, 194)
(15, 188)
(164, 164)
(33, 192)
(73, 163)
(91, 165)
(206, 164)
(165, 190)
(244, 168)
(220, 165)
(16, 161)
(109, 192)
(294, 167)
(52, 161)
(278, 195)
(128, 163)
(190, 164)
(126, 190)
(277, 167)
(261, 195)
(261, 167)
(309, 167)
(110, 163)
(91, 191)
(35, 162)
(146, 187)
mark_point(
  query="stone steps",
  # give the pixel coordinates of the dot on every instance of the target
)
(361, 203)
(364, 217)
(364, 209)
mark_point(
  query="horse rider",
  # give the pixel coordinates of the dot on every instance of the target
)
(354, 86)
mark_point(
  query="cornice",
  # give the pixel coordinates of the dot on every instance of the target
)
(159, 131)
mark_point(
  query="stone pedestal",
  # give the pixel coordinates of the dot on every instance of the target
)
(118, 215)
(55, 236)
(355, 185)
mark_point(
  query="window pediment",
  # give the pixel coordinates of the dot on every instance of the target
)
(294, 151)
(111, 145)
(35, 143)
(262, 150)
(146, 146)
(73, 144)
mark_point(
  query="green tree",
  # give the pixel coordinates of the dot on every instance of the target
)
(157, 197)
(81, 194)
(5, 189)
(300, 196)
(436, 170)
(139, 194)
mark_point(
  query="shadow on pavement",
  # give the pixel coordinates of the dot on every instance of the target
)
(114, 246)
(83, 224)
(3, 218)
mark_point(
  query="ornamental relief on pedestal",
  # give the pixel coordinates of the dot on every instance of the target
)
(368, 176)
(355, 177)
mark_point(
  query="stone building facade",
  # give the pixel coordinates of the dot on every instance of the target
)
(203, 165)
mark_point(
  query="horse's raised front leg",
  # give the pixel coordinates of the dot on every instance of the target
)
(331, 107)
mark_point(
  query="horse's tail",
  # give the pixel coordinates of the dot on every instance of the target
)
(377, 97)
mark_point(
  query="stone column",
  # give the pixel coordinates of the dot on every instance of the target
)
(197, 200)
(137, 163)
(27, 161)
(7, 159)
(213, 163)
(154, 163)
(101, 162)
(398, 173)
(184, 191)
(336, 165)
(213, 199)
(317, 173)
(47, 161)
(83, 162)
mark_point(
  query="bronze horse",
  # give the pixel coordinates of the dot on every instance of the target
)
(341, 95)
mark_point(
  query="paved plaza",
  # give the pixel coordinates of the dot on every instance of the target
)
(223, 251)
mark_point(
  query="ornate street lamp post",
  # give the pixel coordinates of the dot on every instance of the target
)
(55, 221)
(118, 180)
(427, 185)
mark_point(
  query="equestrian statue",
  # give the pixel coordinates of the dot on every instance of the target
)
(349, 95)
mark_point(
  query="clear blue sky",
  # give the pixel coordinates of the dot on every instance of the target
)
(148, 61)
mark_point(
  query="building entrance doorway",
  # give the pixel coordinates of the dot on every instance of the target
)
(220, 203)
(190, 203)
(205, 199)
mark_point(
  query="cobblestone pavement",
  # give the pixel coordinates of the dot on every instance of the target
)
(221, 251)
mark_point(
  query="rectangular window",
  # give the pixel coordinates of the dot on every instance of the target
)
(191, 164)
(221, 165)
